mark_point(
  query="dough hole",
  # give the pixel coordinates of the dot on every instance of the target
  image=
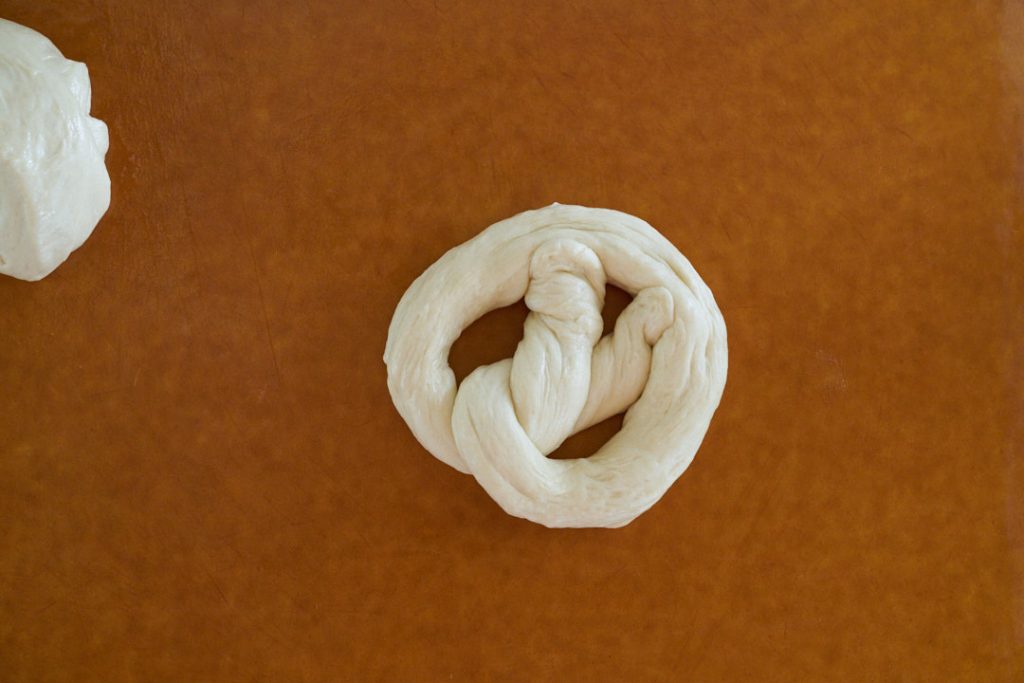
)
(590, 440)
(493, 337)
(615, 301)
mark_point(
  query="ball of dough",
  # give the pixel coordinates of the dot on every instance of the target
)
(54, 187)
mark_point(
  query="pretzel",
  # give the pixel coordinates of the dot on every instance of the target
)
(665, 364)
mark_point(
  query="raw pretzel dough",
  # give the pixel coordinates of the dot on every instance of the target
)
(665, 362)
(54, 187)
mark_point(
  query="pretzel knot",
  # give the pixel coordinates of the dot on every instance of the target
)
(664, 364)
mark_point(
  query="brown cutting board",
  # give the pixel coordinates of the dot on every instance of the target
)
(202, 477)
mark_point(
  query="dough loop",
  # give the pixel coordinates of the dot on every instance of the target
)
(664, 364)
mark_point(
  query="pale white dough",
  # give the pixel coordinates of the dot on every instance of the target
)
(54, 187)
(665, 364)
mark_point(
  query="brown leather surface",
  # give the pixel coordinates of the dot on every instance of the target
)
(202, 477)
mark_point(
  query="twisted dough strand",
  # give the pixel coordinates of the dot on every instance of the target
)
(666, 362)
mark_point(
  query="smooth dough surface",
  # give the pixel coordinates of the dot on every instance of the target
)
(54, 187)
(665, 364)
